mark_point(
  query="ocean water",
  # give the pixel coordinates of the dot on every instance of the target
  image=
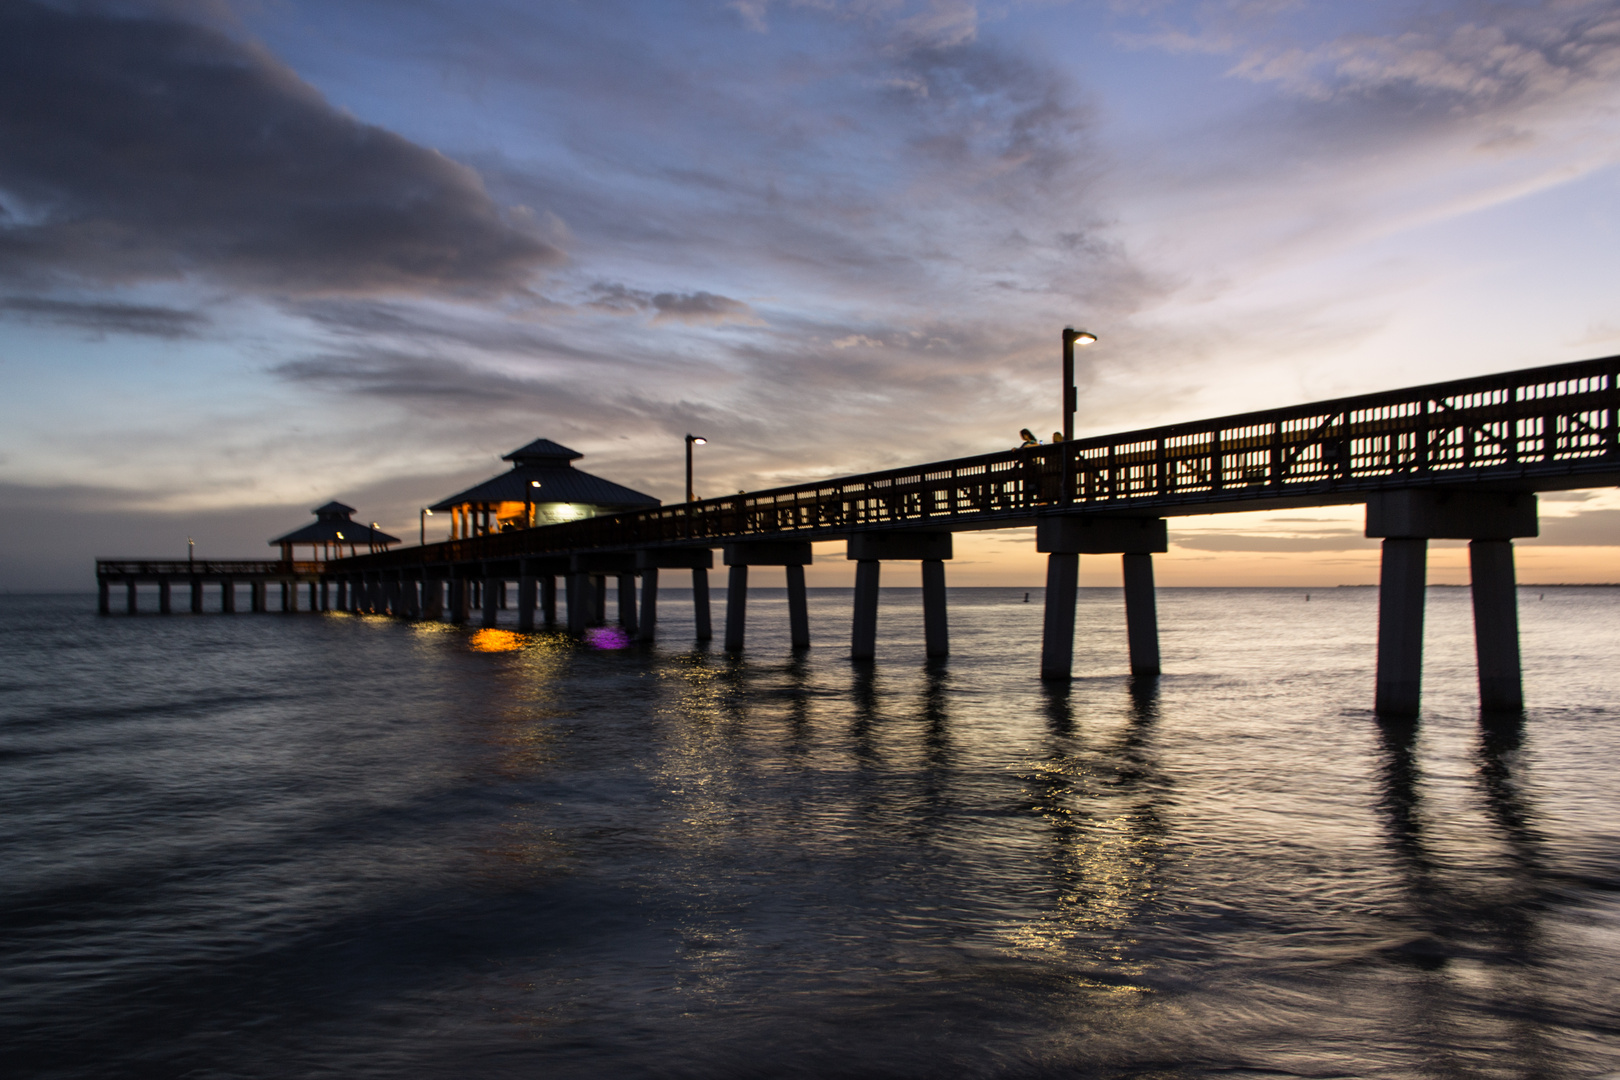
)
(329, 845)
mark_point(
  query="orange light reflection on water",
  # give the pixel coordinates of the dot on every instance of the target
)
(496, 641)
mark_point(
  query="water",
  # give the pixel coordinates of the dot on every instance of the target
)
(266, 845)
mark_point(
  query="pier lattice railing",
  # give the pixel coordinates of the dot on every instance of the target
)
(1516, 426)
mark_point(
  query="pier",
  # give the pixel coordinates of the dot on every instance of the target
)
(1456, 460)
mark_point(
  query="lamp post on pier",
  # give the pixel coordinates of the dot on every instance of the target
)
(1071, 395)
(421, 525)
(528, 503)
(691, 441)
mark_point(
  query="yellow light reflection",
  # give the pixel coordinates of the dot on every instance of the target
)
(496, 641)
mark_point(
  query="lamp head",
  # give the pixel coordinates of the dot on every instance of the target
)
(696, 440)
(534, 483)
(1071, 336)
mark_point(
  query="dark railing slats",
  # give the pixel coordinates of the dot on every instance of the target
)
(1540, 421)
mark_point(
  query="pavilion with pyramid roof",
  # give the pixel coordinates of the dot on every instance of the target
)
(331, 532)
(541, 488)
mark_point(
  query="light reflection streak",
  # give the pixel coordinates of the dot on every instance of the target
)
(1102, 808)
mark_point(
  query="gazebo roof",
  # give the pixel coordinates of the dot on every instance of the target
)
(332, 526)
(549, 464)
(543, 452)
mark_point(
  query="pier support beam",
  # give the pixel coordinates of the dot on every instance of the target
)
(868, 550)
(1057, 622)
(433, 599)
(700, 604)
(493, 587)
(649, 604)
(1064, 539)
(579, 605)
(526, 584)
(164, 599)
(863, 625)
(104, 603)
(460, 601)
(798, 609)
(1406, 520)
(736, 605)
(130, 598)
(196, 596)
(343, 594)
(1496, 625)
(599, 595)
(936, 628)
(548, 599)
(227, 596)
(1141, 613)
(256, 598)
(412, 606)
(740, 556)
(627, 602)
(1401, 586)
(651, 560)
(326, 595)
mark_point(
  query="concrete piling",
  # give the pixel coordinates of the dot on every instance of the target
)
(700, 604)
(1057, 623)
(492, 602)
(1064, 539)
(736, 606)
(627, 602)
(649, 604)
(1141, 613)
(525, 597)
(1401, 584)
(863, 626)
(1496, 625)
(936, 629)
(798, 608)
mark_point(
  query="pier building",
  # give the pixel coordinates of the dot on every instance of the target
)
(541, 488)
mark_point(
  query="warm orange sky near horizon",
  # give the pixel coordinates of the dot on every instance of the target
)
(1342, 555)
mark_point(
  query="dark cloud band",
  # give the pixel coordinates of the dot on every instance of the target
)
(135, 148)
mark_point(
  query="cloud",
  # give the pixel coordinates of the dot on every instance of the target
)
(141, 147)
(107, 318)
(1336, 540)
(1594, 528)
(694, 308)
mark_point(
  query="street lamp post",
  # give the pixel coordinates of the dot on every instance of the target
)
(691, 441)
(1071, 395)
(421, 525)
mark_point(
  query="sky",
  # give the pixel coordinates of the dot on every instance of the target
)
(258, 255)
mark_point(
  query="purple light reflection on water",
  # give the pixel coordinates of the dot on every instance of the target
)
(607, 637)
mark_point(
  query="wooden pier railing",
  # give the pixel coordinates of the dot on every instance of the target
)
(1537, 428)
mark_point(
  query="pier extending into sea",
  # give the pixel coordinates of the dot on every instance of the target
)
(1456, 460)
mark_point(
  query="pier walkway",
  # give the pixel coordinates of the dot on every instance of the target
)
(1453, 460)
